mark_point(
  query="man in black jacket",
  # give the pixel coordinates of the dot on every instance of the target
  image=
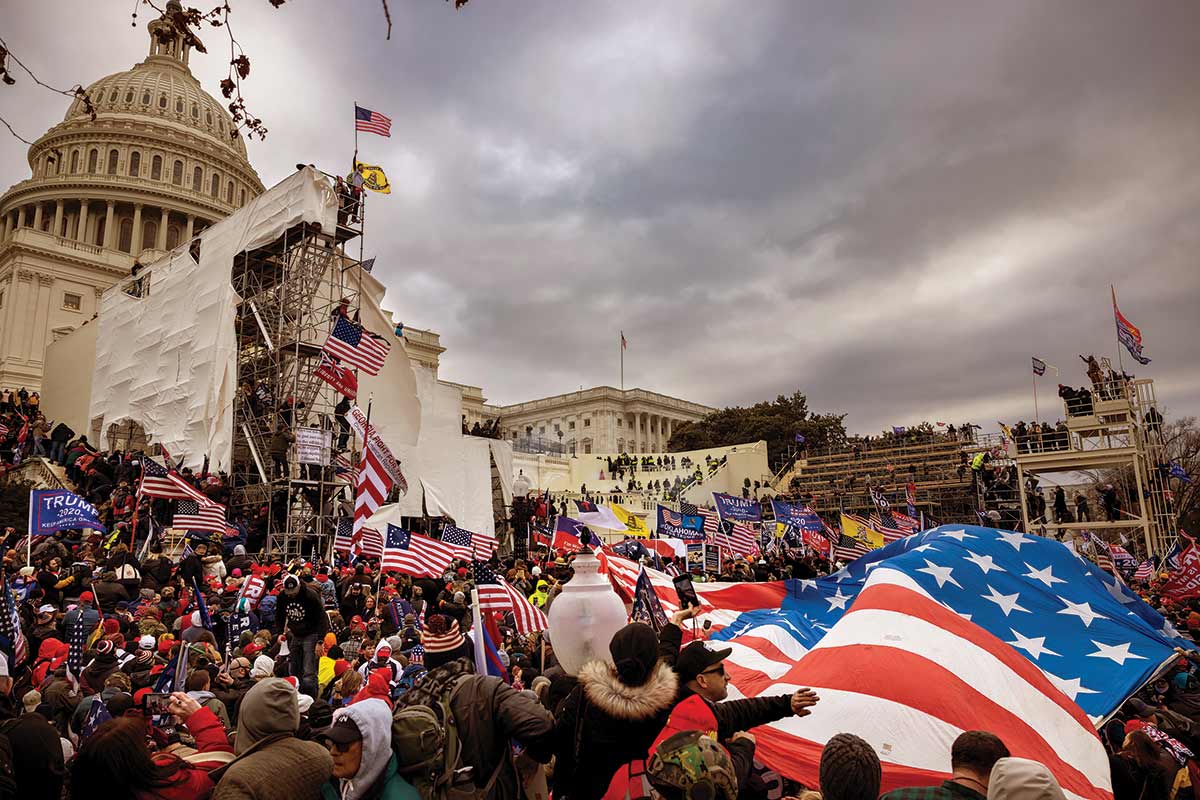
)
(302, 608)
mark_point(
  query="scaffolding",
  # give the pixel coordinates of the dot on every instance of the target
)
(1113, 434)
(286, 429)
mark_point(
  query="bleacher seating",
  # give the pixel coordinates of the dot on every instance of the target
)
(841, 478)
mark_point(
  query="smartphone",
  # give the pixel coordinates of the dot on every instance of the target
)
(156, 704)
(686, 591)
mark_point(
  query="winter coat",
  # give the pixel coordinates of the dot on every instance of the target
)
(490, 716)
(192, 781)
(389, 787)
(305, 613)
(272, 764)
(604, 724)
(108, 594)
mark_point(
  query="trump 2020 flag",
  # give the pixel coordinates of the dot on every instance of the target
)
(52, 510)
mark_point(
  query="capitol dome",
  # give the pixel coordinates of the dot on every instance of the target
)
(161, 161)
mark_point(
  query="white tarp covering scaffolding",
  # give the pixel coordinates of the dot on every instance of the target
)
(166, 359)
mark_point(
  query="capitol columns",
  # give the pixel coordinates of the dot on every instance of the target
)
(136, 242)
(37, 215)
(191, 221)
(109, 233)
(21, 217)
(81, 228)
(7, 226)
(161, 244)
(58, 217)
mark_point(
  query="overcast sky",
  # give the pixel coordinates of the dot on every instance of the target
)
(890, 207)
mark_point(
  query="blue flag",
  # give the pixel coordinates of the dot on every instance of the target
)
(646, 606)
(800, 438)
(53, 510)
(201, 606)
(678, 525)
(737, 508)
(1177, 471)
(97, 715)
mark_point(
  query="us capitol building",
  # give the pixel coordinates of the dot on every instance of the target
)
(161, 162)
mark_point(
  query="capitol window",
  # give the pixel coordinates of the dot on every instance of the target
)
(1, 299)
(113, 157)
(156, 168)
(195, 111)
(215, 187)
(178, 105)
(177, 173)
(571, 425)
(112, 96)
(93, 160)
(162, 101)
(72, 302)
(135, 163)
(197, 179)
(74, 161)
(129, 96)
(208, 118)
(229, 193)
(145, 98)
(587, 423)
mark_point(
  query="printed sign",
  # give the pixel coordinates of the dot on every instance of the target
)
(53, 510)
(313, 445)
(358, 422)
(712, 559)
(695, 557)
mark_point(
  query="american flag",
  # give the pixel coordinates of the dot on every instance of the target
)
(97, 715)
(343, 535)
(370, 544)
(10, 626)
(848, 548)
(76, 639)
(495, 594)
(372, 489)
(478, 546)
(199, 516)
(357, 346)
(370, 121)
(1031, 603)
(342, 467)
(738, 537)
(158, 481)
(890, 532)
(1144, 571)
(416, 555)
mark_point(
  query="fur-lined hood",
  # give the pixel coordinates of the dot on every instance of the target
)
(614, 698)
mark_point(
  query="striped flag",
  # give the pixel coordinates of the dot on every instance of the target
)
(370, 544)
(1144, 571)
(938, 674)
(470, 545)
(199, 516)
(891, 533)
(10, 626)
(343, 535)
(357, 346)
(496, 594)
(158, 481)
(416, 555)
(1128, 333)
(369, 121)
(739, 538)
(369, 494)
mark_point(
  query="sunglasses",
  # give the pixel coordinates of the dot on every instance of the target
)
(338, 746)
(719, 669)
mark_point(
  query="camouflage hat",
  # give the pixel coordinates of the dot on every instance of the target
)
(694, 766)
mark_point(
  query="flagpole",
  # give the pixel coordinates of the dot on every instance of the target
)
(477, 624)
(29, 532)
(1116, 322)
(1036, 416)
(621, 344)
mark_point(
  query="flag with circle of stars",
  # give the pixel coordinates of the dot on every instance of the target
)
(1092, 636)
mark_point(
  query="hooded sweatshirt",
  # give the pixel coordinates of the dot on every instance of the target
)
(269, 711)
(1022, 779)
(379, 662)
(374, 720)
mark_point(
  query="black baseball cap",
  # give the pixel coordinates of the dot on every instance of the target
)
(698, 657)
(343, 731)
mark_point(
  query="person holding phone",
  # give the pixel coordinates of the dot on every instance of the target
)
(116, 756)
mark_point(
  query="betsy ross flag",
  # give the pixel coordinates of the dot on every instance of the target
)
(416, 555)
(199, 516)
(1128, 333)
(357, 346)
(495, 594)
(370, 121)
(341, 378)
(158, 481)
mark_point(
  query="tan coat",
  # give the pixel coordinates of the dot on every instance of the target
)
(288, 769)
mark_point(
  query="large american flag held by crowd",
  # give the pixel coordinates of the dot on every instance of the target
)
(158, 481)
(413, 554)
(357, 346)
(495, 594)
(961, 615)
(199, 516)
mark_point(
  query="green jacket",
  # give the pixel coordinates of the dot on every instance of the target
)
(390, 787)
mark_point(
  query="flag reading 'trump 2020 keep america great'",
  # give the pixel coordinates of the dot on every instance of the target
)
(52, 510)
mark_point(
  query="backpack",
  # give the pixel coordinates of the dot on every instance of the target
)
(429, 752)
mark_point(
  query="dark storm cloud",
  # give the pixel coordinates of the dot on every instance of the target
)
(890, 207)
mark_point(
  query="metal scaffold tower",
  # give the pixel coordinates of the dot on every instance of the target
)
(286, 435)
(1114, 436)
